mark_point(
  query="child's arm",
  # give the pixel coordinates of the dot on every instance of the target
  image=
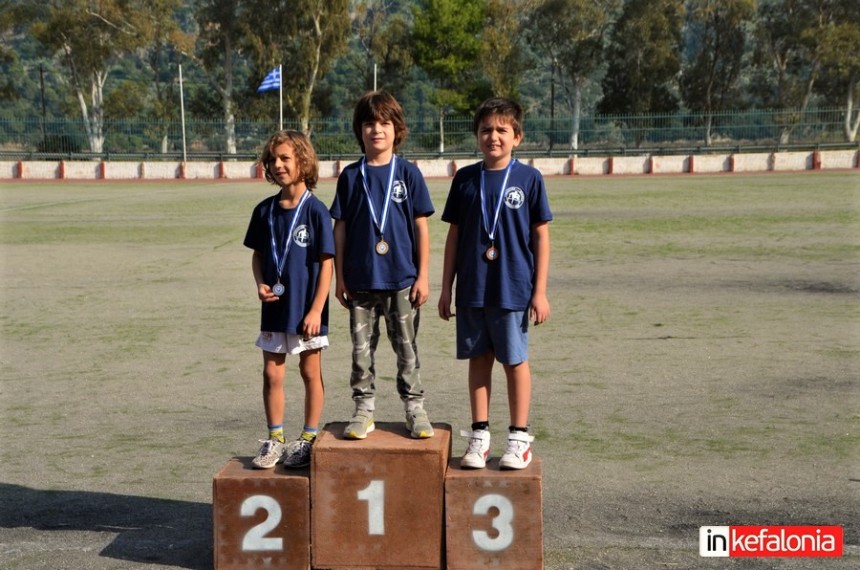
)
(539, 304)
(340, 291)
(264, 291)
(449, 271)
(312, 322)
(421, 288)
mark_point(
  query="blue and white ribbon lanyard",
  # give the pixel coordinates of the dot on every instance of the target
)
(492, 252)
(381, 246)
(278, 288)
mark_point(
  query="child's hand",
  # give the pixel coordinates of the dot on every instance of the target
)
(420, 292)
(538, 309)
(312, 324)
(342, 295)
(445, 305)
(264, 292)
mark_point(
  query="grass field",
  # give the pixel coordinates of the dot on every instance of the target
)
(701, 366)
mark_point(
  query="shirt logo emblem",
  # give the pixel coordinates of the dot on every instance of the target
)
(514, 198)
(398, 192)
(301, 236)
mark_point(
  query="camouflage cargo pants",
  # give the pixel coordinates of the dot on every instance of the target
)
(401, 323)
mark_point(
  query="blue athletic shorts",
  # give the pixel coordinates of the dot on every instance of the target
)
(504, 332)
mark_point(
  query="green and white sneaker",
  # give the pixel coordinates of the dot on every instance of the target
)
(269, 455)
(360, 425)
(417, 424)
(298, 453)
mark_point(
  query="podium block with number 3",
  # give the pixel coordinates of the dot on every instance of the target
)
(494, 519)
(378, 502)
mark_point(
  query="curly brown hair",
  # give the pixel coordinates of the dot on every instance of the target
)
(306, 156)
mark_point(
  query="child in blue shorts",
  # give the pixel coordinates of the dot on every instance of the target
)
(382, 250)
(498, 250)
(291, 236)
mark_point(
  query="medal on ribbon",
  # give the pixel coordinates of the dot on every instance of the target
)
(278, 288)
(492, 252)
(382, 246)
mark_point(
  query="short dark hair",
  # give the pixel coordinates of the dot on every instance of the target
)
(503, 107)
(375, 106)
(306, 156)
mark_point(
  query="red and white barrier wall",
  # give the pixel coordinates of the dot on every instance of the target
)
(444, 168)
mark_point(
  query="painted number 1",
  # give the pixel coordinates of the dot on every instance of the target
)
(501, 522)
(374, 494)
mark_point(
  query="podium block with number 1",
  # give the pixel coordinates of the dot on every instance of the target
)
(379, 502)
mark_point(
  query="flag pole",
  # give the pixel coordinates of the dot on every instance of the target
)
(182, 113)
(281, 97)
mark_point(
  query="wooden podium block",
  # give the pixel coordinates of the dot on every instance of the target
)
(379, 502)
(261, 517)
(494, 519)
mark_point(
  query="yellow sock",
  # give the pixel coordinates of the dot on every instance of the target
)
(277, 432)
(309, 434)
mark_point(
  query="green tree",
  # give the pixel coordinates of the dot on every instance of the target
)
(644, 59)
(794, 40)
(840, 64)
(161, 56)
(503, 55)
(447, 45)
(571, 35)
(88, 36)
(307, 35)
(381, 55)
(220, 39)
(710, 81)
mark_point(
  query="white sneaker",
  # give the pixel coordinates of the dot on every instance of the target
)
(269, 455)
(518, 453)
(479, 449)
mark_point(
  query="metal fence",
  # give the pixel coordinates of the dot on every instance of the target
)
(33, 138)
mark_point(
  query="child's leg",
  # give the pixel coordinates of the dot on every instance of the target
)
(310, 368)
(273, 387)
(364, 328)
(480, 385)
(401, 322)
(519, 392)
(273, 404)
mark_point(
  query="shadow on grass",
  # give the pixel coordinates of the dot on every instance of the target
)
(148, 530)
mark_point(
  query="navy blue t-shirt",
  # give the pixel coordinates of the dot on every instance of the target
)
(311, 238)
(507, 282)
(363, 268)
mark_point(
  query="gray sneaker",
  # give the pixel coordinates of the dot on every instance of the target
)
(269, 455)
(360, 425)
(298, 453)
(418, 425)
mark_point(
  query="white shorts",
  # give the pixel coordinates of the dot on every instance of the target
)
(283, 343)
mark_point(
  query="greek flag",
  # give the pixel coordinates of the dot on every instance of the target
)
(271, 81)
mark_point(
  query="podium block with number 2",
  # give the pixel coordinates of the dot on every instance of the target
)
(261, 518)
(379, 502)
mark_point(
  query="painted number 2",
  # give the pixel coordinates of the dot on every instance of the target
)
(374, 494)
(501, 522)
(255, 539)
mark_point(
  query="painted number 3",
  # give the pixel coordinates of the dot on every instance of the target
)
(501, 522)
